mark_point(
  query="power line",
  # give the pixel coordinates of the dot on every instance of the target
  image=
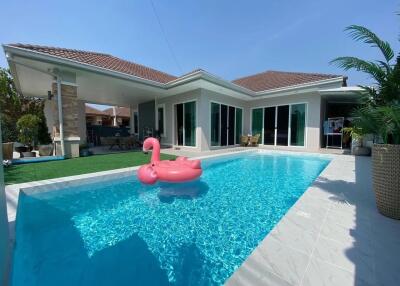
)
(165, 37)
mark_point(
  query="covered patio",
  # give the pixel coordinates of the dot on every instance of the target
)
(337, 106)
(67, 86)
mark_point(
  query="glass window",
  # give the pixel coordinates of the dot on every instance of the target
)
(231, 125)
(282, 125)
(160, 118)
(257, 122)
(238, 124)
(297, 124)
(190, 123)
(215, 124)
(179, 124)
(269, 125)
(135, 122)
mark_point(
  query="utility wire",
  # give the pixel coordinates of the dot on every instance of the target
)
(165, 37)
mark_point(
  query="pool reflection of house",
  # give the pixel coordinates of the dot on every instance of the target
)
(198, 111)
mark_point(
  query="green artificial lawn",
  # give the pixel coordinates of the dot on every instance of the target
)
(69, 167)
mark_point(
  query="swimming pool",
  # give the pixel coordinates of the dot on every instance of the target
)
(120, 232)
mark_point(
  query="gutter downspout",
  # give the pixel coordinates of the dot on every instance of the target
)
(60, 115)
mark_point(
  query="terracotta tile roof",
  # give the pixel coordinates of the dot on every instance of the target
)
(103, 61)
(92, 110)
(121, 111)
(259, 82)
(276, 79)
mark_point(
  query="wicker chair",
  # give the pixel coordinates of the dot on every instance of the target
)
(244, 141)
(254, 140)
(8, 149)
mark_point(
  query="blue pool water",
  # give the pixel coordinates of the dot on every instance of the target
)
(123, 233)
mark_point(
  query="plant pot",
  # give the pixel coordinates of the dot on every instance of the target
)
(46, 150)
(28, 154)
(386, 178)
(21, 149)
(361, 151)
(8, 149)
(84, 153)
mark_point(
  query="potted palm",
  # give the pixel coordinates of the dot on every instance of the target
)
(357, 146)
(28, 126)
(379, 115)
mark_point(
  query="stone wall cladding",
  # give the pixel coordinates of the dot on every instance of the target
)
(70, 110)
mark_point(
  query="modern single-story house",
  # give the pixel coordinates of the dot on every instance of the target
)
(113, 116)
(198, 110)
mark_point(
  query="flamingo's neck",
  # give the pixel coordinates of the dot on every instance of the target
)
(152, 143)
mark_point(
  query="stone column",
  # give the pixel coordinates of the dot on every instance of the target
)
(69, 100)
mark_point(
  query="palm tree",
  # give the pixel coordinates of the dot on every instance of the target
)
(379, 113)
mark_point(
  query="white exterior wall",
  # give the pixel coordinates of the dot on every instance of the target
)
(169, 103)
(204, 98)
(313, 116)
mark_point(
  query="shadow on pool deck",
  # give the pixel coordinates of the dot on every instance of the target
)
(361, 240)
(333, 235)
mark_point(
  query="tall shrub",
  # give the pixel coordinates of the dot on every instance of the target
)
(28, 128)
(14, 105)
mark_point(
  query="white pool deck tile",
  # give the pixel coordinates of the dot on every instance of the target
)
(333, 235)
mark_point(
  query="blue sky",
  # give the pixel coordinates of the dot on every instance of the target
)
(230, 39)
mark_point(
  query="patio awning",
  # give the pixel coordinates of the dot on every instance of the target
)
(34, 73)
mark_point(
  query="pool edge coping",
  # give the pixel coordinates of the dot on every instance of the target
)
(12, 191)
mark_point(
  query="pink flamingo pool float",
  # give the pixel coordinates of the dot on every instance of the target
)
(180, 170)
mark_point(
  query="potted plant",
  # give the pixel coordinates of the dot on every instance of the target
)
(84, 150)
(28, 126)
(357, 145)
(379, 115)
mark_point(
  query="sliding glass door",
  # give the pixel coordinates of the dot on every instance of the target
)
(257, 122)
(185, 124)
(215, 124)
(297, 124)
(226, 124)
(179, 124)
(238, 125)
(269, 126)
(282, 125)
(231, 125)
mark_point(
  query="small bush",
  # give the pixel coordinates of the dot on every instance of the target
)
(28, 127)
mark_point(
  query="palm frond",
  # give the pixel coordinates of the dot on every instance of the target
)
(360, 33)
(369, 95)
(371, 68)
(386, 66)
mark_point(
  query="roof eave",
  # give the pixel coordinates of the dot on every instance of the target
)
(68, 62)
(197, 75)
(299, 86)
